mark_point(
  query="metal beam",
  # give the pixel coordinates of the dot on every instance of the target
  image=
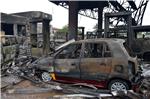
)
(90, 9)
(73, 20)
(46, 37)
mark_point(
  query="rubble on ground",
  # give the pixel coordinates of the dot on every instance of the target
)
(29, 90)
(20, 81)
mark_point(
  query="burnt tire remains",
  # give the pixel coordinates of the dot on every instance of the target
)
(118, 85)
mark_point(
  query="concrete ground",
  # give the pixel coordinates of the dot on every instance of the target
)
(25, 90)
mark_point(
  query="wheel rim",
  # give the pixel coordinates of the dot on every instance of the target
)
(118, 86)
(46, 77)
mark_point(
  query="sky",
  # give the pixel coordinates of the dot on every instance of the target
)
(59, 14)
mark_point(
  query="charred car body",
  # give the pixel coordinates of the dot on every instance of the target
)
(104, 63)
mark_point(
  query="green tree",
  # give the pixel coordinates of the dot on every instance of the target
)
(64, 29)
(63, 32)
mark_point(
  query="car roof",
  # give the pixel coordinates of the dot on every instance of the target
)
(108, 40)
(102, 40)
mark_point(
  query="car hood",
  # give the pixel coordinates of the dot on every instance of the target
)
(65, 44)
(42, 60)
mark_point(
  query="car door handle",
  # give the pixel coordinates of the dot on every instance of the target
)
(102, 64)
(73, 64)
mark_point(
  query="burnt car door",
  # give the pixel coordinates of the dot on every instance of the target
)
(66, 62)
(96, 61)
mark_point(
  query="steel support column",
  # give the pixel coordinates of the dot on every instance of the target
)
(100, 21)
(82, 32)
(73, 20)
(46, 37)
(129, 30)
(33, 30)
(106, 27)
(15, 29)
(128, 18)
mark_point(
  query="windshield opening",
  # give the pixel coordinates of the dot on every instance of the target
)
(61, 46)
(129, 50)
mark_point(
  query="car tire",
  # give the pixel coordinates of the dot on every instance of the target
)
(118, 85)
(45, 76)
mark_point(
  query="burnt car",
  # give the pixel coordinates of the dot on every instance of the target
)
(104, 63)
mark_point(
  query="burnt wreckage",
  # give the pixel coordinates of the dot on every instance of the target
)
(18, 35)
(50, 68)
(100, 62)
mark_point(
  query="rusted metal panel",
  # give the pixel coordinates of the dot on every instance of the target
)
(35, 15)
(13, 19)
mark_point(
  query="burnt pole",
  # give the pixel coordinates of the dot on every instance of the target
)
(100, 22)
(101, 5)
(33, 30)
(73, 20)
(46, 36)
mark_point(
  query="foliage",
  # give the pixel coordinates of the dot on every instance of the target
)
(63, 30)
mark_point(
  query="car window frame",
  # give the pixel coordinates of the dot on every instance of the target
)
(60, 50)
(100, 42)
(110, 50)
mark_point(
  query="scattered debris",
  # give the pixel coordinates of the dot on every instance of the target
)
(72, 96)
(11, 79)
(62, 91)
(29, 90)
(20, 71)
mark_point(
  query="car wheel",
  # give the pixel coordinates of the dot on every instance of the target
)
(45, 76)
(118, 85)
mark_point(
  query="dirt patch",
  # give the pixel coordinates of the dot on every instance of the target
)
(25, 84)
(11, 92)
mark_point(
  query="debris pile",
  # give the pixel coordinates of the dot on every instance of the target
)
(21, 80)
(144, 88)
